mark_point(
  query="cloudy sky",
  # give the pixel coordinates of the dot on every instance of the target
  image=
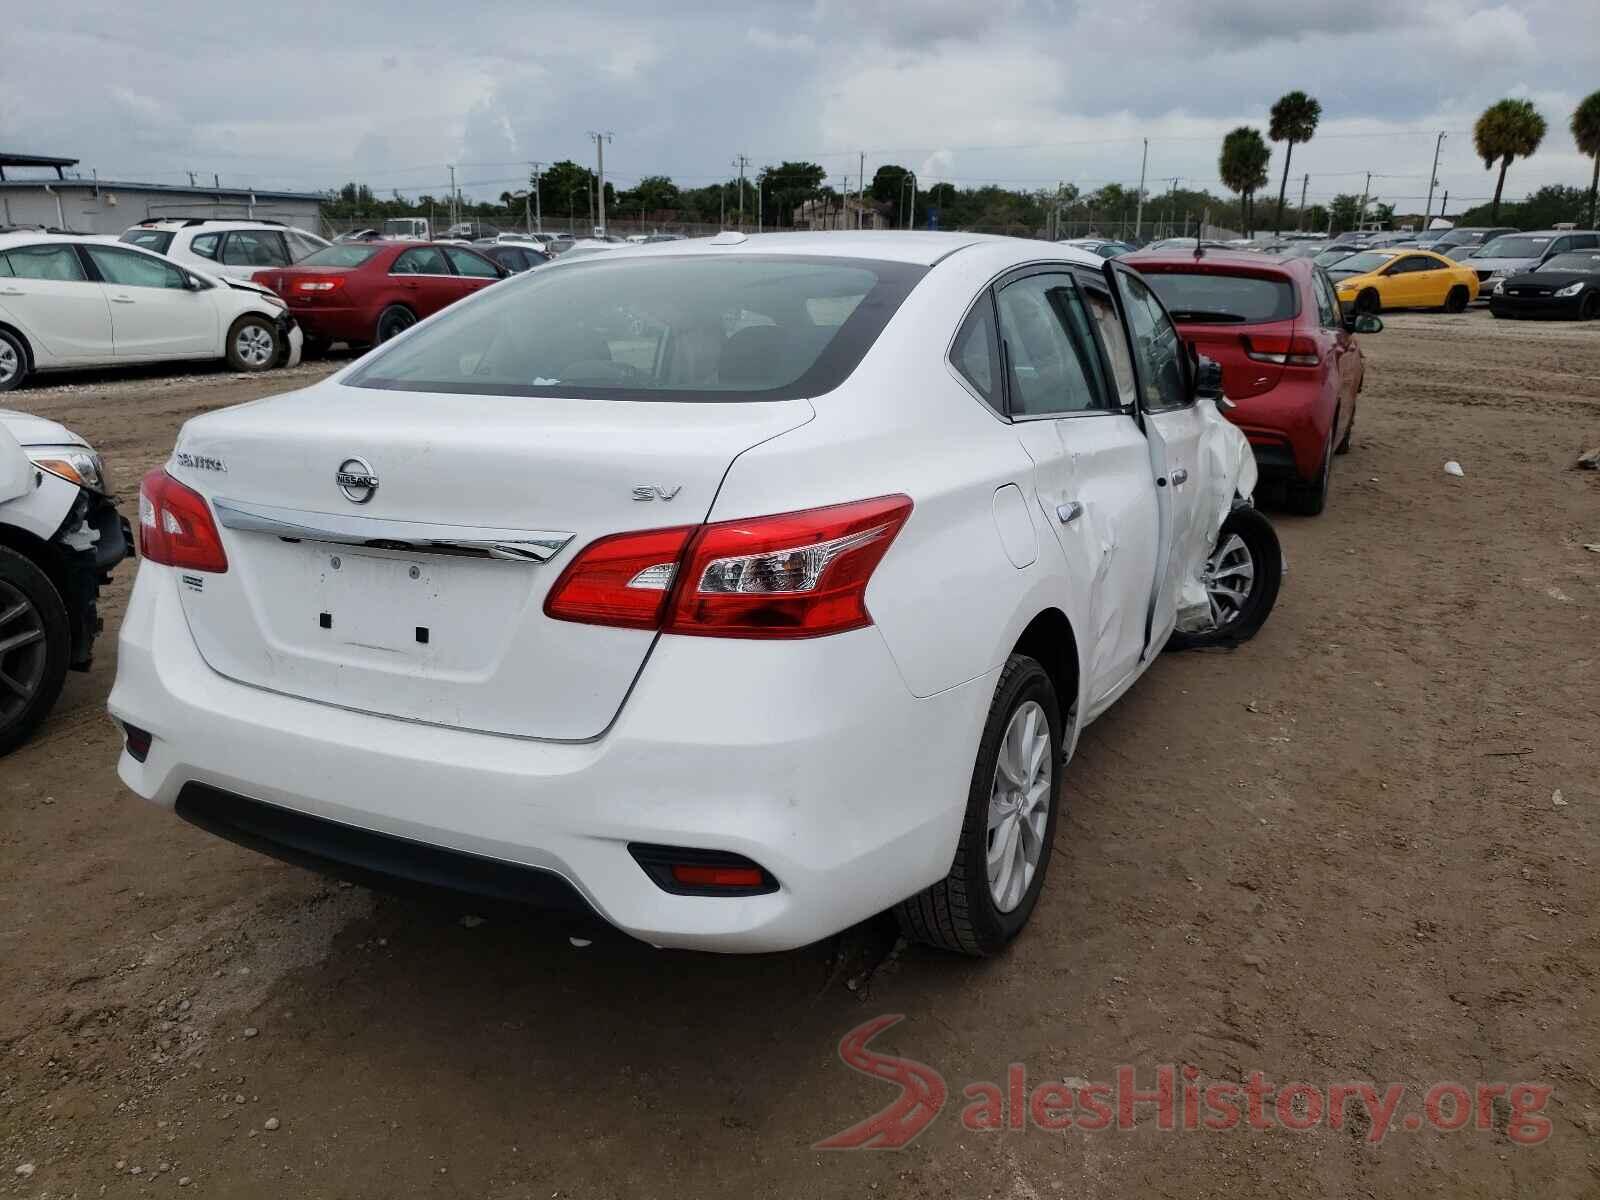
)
(1018, 92)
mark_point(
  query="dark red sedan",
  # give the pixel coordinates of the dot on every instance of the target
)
(1290, 361)
(364, 293)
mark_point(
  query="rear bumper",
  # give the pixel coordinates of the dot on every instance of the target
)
(811, 758)
(333, 324)
(1287, 428)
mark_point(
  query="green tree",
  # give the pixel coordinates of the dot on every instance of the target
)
(888, 187)
(1294, 120)
(567, 187)
(1346, 212)
(1507, 130)
(791, 184)
(1242, 167)
(1586, 132)
(652, 194)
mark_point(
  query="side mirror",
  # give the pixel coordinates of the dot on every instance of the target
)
(1208, 382)
(1367, 323)
(194, 283)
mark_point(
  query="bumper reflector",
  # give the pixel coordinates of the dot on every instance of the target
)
(685, 871)
(138, 742)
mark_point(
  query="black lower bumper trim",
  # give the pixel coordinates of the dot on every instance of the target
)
(376, 860)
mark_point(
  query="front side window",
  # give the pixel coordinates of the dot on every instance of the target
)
(1048, 346)
(1157, 347)
(471, 265)
(679, 328)
(976, 353)
(424, 260)
(46, 262)
(1328, 311)
(126, 269)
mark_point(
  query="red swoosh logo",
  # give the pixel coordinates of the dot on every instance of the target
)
(922, 1092)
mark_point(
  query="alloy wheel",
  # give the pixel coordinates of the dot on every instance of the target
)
(23, 651)
(1229, 574)
(1019, 805)
(255, 345)
(10, 363)
(394, 323)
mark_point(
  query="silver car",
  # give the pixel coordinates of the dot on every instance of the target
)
(1516, 253)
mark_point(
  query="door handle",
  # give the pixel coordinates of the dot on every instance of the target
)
(122, 299)
(13, 292)
(1069, 512)
(1180, 477)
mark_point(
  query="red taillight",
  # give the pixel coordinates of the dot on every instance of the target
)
(794, 575)
(175, 526)
(689, 875)
(1277, 348)
(331, 283)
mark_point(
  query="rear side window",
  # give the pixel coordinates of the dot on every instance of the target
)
(254, 248)
(976, 353)
(679, 328)
(1048, 347)
(46, 262)
(1202, 298)
(425, 260)
(154, 240)
(301, 244)
(206, 245)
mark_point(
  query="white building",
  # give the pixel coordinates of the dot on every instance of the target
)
(110, 206)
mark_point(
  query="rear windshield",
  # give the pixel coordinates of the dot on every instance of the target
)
(345, 255)
(682, 328)
(1200, 298)
(154, 240)
(1516, 246)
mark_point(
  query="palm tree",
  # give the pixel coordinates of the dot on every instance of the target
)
(1242, 167)
(1508, 129)
(1586, 132)
(1294, 119)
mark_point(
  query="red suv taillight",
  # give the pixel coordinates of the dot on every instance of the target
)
(1276, 348)
(794, 575)
(175, 526)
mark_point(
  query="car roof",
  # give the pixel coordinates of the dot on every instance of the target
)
(919, 248)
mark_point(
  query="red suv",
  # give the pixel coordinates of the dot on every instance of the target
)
(367, 292)
(1290, 361)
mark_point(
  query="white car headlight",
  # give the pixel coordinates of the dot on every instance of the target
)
(74, 464)
(1572, 289)
(1499, 286)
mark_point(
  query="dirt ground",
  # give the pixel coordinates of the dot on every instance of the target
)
(1333, 855)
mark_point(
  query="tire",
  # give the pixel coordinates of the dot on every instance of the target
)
(311, 348)
(1368, 303)
(393, 321)
(1456, 301)
(1309, 499)
(961, 913)
(253, 344)
(1349, 432)
(1589, 310)
(1243, 619)
(13, 361)
(35, 644)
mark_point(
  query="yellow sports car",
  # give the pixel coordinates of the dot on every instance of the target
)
(1377, 279)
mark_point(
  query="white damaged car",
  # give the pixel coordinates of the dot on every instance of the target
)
(732, 591)
(60, 537)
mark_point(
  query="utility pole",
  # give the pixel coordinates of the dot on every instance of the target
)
(741, 162)
(1433, 181)
(600, 137)
(1444, 204)
(861, 191)
(452, 193)
(1361, 217)
(1300, 221)
(1138, 220)
(535, 169)
(191, 179)
(761, 179)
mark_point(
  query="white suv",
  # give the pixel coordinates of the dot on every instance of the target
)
(234, 248)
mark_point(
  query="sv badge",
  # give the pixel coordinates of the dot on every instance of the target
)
(656, 492)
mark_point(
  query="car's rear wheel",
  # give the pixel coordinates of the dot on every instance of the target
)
(1004, 849)
(393, 321)
(253, 344)
(13, 361)
(34, 647)
(1242, 577)
(1456, 301)
(1349, 432)
(1310, 497)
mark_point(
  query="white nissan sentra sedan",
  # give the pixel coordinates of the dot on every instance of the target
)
(733, 591)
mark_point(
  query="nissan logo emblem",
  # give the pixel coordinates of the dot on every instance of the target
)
(356, 480)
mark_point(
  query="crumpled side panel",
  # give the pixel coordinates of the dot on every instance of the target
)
(1227, 469)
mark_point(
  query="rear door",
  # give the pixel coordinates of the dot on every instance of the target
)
(154, 314)
(1173, 427)
(46, 290)
(425, 279)
(1075, 419)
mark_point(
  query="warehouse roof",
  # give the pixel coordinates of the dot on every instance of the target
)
(181, 189)
(35, 160)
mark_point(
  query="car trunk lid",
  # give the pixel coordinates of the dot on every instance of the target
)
(438, 616)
